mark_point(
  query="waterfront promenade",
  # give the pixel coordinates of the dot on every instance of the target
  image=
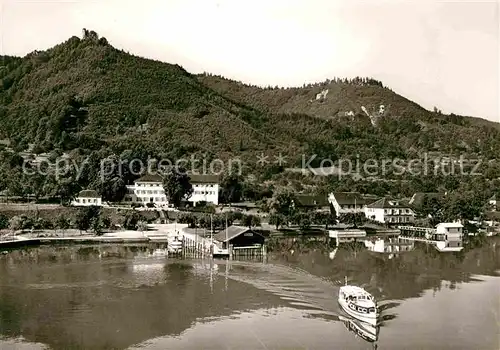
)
(154, 233)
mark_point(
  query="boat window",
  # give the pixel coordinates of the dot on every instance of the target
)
(372, 309)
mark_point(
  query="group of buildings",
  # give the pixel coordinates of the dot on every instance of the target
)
(398, 215)
(148, 190)
(382, 210)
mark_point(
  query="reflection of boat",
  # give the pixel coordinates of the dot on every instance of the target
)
(358, 303)
(159, 252)
(366, 331)
(175, 245)
(218, 250)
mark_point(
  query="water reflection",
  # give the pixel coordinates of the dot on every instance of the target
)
(364, 330)
(389, 246)
(103, 297)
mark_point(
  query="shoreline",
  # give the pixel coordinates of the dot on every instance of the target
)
(159, 233)
(29, 242)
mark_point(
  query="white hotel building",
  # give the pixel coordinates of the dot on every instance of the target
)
(205, 189)
(390, 212)
(149, 189)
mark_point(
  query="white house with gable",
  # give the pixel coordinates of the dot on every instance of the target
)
(390, 211)
(205, 189)
(347, 202)
(87, 198)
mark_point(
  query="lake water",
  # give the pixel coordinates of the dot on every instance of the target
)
(132, 297)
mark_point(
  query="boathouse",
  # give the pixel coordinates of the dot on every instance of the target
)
(239, 236)
(450, 233)
(446, 237)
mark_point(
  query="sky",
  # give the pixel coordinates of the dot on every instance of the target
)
(436, 53)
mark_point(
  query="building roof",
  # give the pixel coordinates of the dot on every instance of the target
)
(150, 178)
(340, 226)
(204, 179)
(244, 205)
(347, 198)
(305, 200)
(388, 203)
(88, 194)
(232, 232)
(449, 224)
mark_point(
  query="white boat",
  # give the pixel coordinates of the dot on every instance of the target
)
(358, 303)
(174, 245)
(218, 252)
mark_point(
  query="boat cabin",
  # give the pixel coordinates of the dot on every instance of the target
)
(363, 310)
(358, 301)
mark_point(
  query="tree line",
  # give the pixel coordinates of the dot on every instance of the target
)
(87, 219)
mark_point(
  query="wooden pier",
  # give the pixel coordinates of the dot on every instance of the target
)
(193, 249)
(256, 252)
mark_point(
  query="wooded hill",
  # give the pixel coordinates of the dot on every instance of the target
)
(84, 94)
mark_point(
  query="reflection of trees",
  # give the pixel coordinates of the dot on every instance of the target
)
(405, 275)
(75, 253)
(88, 298)
(95, 302)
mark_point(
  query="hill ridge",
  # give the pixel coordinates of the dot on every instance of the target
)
(86, 94)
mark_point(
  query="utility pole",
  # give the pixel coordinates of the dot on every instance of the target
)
(211, 236)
